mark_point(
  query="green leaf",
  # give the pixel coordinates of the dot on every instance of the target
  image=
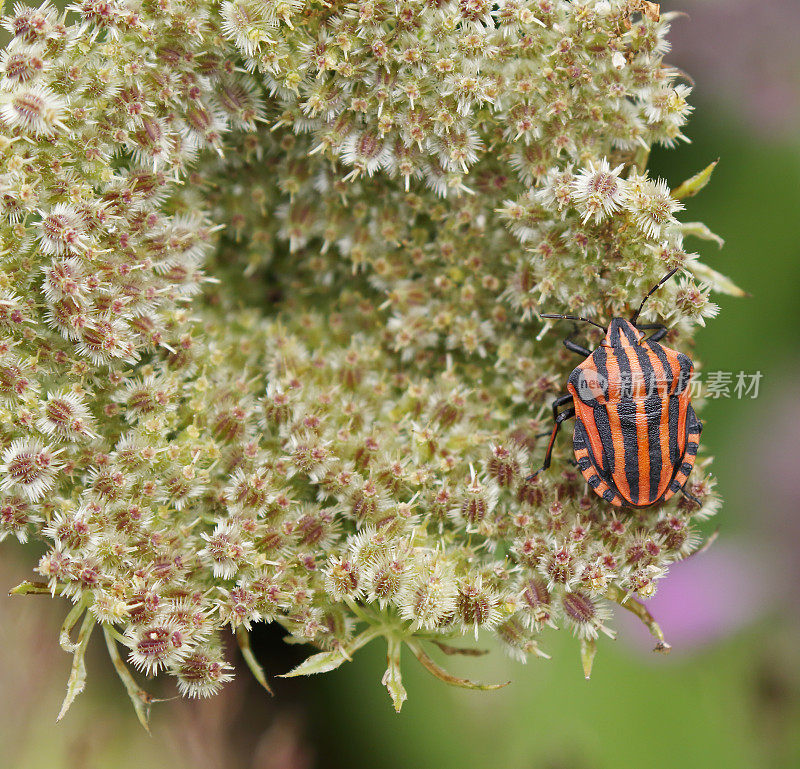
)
(588, 650)
(700, 230)
(243, 639)
(318, 663)
(392, 679)
(30, 588)
(718, 282)
(695, 183)
(330, 660)
(77, 675)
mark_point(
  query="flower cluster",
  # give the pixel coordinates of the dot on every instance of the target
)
(268, 353)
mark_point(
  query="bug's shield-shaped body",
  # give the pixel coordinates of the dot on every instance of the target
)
(636, 434)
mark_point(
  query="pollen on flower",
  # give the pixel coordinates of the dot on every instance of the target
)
(15, 518)
(477, 605)
(536, 601)
(366, 152)
(225, 549)
(430, 595)
(387, 579)
(21, 66)
(341, 579)
(61, 232)
(109, 608)
(477, 501)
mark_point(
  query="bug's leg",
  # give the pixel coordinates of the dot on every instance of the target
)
(563, 416)
(660, 331)
(574, 347)
(691, 497)
(557, 403)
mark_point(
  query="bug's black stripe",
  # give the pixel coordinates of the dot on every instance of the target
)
(596, 462)
(584, 463)
(613, 492)
(605, 462)
(652, 409)
(627, 330)
(673, 407)
(599, 357)
(594, 481)
(626, 411)
(661, 355)
(581, 438)
(685, 364)
(695, 426)
(684, 465)
(674, 453)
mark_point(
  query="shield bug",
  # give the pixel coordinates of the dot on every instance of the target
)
(636, 434)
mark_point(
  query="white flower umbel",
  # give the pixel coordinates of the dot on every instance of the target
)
(35, 110)
(651, 206)
(598, 191)
(29, 467)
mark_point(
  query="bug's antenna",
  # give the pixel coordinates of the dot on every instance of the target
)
(651, 292)
(571, 317)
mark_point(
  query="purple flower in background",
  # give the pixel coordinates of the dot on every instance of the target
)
(704, 599)
(745, 53)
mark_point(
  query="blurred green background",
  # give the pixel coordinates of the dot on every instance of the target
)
(729, 695)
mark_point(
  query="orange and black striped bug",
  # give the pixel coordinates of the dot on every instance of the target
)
(636, 434)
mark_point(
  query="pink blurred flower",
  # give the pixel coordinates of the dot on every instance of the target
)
(745, 53)
(746, 575)
(704, 599)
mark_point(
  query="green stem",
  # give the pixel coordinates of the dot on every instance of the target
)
(70, 621)
(31, 588)
(139, 697)
(443, 675)
(243, 639)
(613, 593)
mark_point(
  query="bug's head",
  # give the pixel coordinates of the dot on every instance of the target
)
(622, 331)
